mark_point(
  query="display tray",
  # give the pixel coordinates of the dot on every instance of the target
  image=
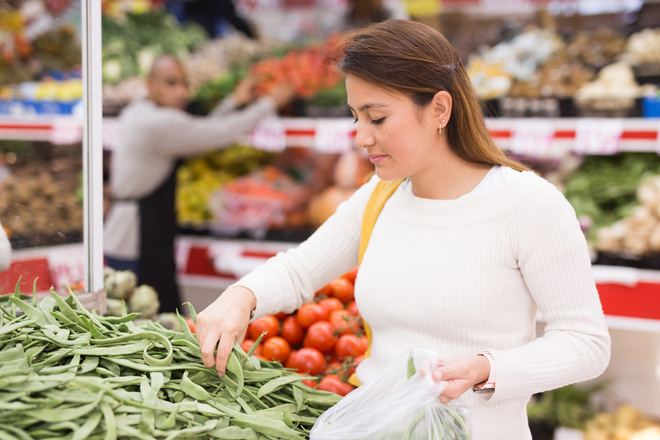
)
(40, 239)
(287, 235)
(639, 262)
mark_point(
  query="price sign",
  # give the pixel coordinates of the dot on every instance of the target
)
(67, 265)
(109, 133)
(598, 136)
(270, 135)
(532, 138)
(66, 131)
(333, 136)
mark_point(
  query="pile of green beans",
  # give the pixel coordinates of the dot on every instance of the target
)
(66, 372)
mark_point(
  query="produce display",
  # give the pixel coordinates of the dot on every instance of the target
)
(68, 372)
(626, 423)
(199, 177)
(324, 338)
(41, 205)
(638, 233)
(131, 45)
(603, 189)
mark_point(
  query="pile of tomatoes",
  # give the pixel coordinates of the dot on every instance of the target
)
(324, 338)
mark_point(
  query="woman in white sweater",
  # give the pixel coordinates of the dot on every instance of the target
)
(464, 253)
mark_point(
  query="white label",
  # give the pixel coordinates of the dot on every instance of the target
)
(66, 266)
(333, 136)
(270, 135)
(598, 136)
(66, 131)
(532, 138)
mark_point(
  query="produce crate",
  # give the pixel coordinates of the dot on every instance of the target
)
(651, 107)
(609, 108)
(529, 107)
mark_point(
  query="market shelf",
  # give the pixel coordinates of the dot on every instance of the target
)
(533, 136)
(55, 129)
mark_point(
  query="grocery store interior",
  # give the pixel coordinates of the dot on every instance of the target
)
(569, 87)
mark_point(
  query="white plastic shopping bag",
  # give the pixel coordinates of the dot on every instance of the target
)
(400, 403)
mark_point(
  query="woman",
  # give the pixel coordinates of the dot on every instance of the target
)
(464, 253)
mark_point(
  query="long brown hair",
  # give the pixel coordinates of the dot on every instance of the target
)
(418, 61)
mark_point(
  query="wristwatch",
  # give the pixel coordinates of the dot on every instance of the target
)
(487, 386)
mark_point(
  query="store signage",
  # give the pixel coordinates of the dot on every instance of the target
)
(333, 136)
(66, 131)
(598, 135)
(270, 135)
(532, 137)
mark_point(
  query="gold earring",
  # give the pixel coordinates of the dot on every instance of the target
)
(440, 128)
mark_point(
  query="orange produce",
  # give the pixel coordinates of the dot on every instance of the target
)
(276, 349)
(248, 343)
(321, 335)
(292, 331)
(268, 324)
(343, 290)
(310, 313)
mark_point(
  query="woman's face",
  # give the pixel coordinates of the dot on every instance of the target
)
(400, 139)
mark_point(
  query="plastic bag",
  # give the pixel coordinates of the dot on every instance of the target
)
(400, 403)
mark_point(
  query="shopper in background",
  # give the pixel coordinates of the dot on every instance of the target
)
(464, 253)
(152, 135)
(5, 250)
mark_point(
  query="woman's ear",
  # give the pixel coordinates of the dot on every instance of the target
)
(441, 106)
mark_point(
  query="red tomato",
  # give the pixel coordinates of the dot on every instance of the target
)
(292, 331)
(248, 343)
(191, 324)
(280, 316)
(352, 308)
(333, 384)
(351, 275)
(268, 324)
(334, 367)
(307, 361)
(343, 290)
(310, 313)
(350, 346)
(353, 365)
(310, 383)
(324, 291)
(320, 335)
(344, 323)
(330, 305)
(277, 349)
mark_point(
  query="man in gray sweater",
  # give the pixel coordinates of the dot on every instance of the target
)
(153, 135)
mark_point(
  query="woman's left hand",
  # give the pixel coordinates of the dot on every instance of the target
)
(461, 374)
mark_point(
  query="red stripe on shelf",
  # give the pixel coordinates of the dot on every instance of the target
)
(25, 127)
(500, 133)
(300, 132)
(256, 254)
(565, 134)
(637, 134)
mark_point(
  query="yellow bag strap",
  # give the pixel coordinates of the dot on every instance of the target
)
(382, 192)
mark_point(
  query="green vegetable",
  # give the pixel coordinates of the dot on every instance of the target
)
(604, 188)
(66, 372)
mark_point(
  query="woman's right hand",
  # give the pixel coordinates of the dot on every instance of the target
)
(222, 323)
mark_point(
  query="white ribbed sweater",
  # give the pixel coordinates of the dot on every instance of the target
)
(461, 276)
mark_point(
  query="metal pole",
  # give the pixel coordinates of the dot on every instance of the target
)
(92, 144)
